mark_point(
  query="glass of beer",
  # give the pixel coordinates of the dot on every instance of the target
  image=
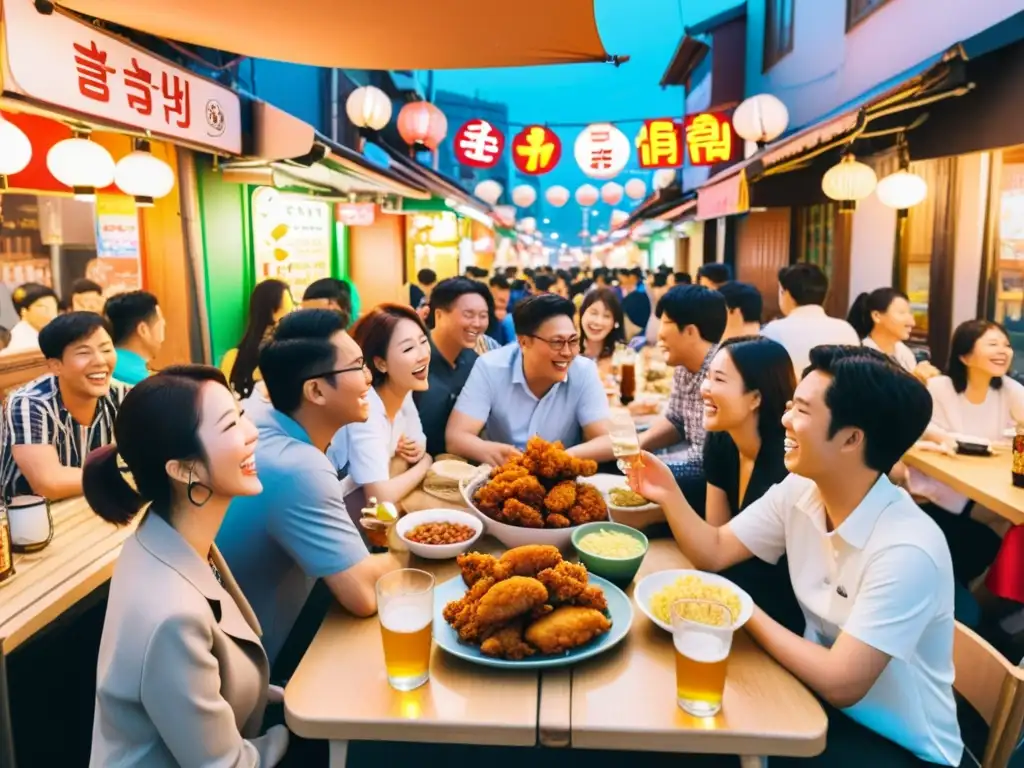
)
(702, 633)
(625, 440)
(405, 606)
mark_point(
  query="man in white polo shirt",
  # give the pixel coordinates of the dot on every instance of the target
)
(871, 571)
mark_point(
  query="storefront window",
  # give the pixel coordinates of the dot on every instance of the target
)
(916, 242)
(1008, 307)
(433, 243)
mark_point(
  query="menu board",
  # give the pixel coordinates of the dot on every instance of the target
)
(292, 238)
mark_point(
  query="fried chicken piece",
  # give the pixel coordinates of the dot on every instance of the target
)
(528, 490)
(566, 628)
(557, 521)
(547, 460)
(561, 498)
(590, 505)
(584, 467)
(508, 473)
(476, 565)
(531, 559)
(461, 613)
(515, 512)
(508, 600)
(591, 597)
(507, 643)
(564, 582)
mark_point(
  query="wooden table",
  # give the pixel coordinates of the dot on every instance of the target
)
(985, 480)
(47, 583)
(626, 699)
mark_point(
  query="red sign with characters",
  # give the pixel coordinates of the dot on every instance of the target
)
(710, 139)
(356, 214)
(536, 150)
(478, 144)
(660, 143)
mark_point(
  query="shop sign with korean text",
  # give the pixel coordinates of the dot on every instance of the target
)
(64, 62)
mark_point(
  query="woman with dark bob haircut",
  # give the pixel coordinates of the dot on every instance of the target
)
(602, 326)
(397, 352)
(180, 660)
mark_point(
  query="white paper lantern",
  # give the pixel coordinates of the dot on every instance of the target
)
(848, 182)
(664, 177)
(586, 195)
(636, 189)
(368, 107)
(143, 176)
(81, 164)
(528, 225)
(761, 118)
(902, 190)
(602, 151)
(557, 196)
(611, 193)
(489, 191)
(619, 218)
(15, 148)
(524, 195)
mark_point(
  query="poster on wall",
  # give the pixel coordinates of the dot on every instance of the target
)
(292, 238)
(117, 266)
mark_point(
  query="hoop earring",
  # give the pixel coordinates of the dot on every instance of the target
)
(192, 485)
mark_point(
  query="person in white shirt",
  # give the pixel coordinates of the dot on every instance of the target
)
(804, 325)
(36, 305)
(872, 572)
(884, 321)
(396, 349)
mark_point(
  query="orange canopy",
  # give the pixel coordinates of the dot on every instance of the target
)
(383, 34)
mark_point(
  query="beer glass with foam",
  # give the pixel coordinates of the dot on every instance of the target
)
(702, 633)
(405, 607)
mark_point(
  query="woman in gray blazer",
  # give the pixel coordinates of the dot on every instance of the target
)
(182, 678)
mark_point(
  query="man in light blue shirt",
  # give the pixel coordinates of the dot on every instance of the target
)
(137, 327)
(298, 530)
(540, 386)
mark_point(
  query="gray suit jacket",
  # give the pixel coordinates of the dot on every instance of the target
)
(182, 677)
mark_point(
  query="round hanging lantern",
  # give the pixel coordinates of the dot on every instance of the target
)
(849, 182)
(663, 178)
(636, 189)
(422, 123)
(524, 195)
(489, 191)
(557, 196)
(902, 190)
(760, 118)
(15, 148)
(611, 193)
(602, 151)
(81, 164)
(143, 176)
(368, 107)
(528, 225)
(619, 218)
(586, 195)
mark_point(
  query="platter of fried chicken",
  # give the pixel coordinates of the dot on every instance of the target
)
(529, 608)
(536, 497)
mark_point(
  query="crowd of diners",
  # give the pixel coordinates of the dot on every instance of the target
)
(777, 460)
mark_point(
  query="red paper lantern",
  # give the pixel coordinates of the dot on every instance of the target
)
(422, 123)
(611, 193)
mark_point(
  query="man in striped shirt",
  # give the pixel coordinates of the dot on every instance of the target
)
(51, 424)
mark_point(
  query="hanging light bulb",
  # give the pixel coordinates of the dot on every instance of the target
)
(81, 164)
(15, 150)
(848, 182)
(143, 176)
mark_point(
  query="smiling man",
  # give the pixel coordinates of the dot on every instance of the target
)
(53, 422)
(540, 386)
(298, 530)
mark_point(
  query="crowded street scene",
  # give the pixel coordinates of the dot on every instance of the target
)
(555, 383)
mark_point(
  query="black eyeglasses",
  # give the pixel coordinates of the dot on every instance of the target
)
(557, 345)
(361, 366)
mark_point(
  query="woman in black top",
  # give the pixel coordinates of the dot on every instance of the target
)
(749, 382)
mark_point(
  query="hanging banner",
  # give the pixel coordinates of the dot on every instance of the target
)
(536, 150)
(478, 144)
(602, 151)
(118, 266)
(660, 143)
(710, 139)
(292, 238)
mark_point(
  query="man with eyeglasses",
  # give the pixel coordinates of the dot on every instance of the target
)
(540, 386)
(298, 530)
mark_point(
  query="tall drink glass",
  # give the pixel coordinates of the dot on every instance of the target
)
(405, 606)
(702, 632)
(625, 440)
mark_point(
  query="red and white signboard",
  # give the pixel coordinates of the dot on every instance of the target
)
(64, 62)
(355, 214)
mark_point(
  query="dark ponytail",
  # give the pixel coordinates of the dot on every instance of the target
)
(866, 303)
(158, 422)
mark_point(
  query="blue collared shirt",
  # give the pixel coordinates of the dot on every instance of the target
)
(131, 367)
(497, 394)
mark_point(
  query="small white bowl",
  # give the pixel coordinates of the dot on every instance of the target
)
(653, 583)
(438, 551)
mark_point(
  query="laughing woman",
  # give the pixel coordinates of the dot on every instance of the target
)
(397, 351)
(601, 328)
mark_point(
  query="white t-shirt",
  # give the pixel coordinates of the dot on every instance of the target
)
(885, 577)
(24, 338)
(365, 449)
(903, 354)
(808, 327)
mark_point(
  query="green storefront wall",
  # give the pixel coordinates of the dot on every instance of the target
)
(225, 213)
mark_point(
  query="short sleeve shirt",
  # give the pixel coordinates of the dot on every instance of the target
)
(885, 577)
(296, 531)
(435, 405)
(722, 469)
(363, 451)
(497, 395)
(35, 415)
